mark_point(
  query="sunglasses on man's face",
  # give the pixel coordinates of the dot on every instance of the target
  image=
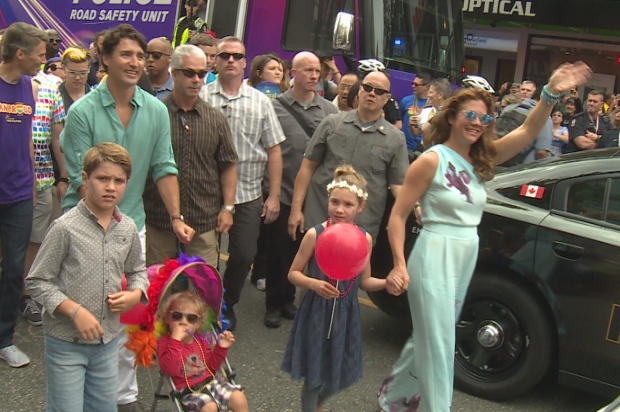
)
(470, 116)
(191, 73)
(54, 40)
(177, 316)
(156, 55)
(378, 91)
(53, 67)
(226, 56)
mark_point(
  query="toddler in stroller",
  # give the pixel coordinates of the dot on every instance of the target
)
(185, 298)
(186, 357)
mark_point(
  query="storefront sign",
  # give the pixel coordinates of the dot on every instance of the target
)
(499, 7)
(475, 39)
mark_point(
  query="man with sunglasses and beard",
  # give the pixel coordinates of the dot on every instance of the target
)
(117, 111)
(257, 135)
(206, 159)
(362, 138)
(158, 54)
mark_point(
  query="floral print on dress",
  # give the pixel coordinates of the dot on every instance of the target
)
(401, 404)
(459, 180)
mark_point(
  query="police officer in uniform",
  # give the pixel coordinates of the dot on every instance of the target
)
(587, 128)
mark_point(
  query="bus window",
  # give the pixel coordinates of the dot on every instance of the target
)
(303, 33)
(414, 35)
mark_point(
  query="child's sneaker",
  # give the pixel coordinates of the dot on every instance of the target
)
(30, 311)
(14, 357)
(261, 284)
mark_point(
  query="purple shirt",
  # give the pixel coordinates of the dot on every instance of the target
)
(16, 110)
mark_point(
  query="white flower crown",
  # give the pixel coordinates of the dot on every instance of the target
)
(344, 185)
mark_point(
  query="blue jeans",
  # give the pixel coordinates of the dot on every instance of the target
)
(15, 228)
(81, 377)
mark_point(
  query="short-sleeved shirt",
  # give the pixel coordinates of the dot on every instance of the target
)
(81, 261)
(202, 145)
(297, 139)
(378, 153)
(93, 120)
(543, 142)
(255, 127)
(165, 89)
(558, 146)
(405, 104)
(17, 108)
(580, 124)
(50, 111)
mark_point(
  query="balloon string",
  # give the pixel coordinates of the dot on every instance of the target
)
(331, 321)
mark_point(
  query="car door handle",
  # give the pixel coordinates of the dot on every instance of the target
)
(568, 251)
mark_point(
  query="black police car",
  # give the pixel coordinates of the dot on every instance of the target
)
(545, 296)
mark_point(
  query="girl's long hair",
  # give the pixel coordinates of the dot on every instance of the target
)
(482, 152)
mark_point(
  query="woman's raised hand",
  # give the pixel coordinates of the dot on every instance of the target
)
(568, 76)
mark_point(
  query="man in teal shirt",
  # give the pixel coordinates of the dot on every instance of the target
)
(118, 111)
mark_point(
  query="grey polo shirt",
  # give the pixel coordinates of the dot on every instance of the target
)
(294, 146)
(378, 153)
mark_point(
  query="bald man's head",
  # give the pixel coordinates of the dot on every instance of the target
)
(306, 71)
(161, 43)
(158, 51)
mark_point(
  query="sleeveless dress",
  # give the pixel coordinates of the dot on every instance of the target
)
(440, 267)
(335, 363)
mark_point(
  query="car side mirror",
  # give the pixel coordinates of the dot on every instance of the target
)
(343, 31)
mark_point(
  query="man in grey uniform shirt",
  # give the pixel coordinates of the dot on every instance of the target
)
(361, 138)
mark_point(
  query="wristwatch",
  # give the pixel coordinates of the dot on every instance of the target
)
(175, 217)
(230, 209)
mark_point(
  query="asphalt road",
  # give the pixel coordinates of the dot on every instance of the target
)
(256, 358)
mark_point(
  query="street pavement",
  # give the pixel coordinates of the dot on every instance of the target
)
(256, 359)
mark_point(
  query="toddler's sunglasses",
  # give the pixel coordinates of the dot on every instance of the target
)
(177, 316)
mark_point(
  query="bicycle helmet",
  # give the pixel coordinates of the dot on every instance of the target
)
(477, 82)
(370, 65)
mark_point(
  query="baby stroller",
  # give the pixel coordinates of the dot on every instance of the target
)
(177, 275)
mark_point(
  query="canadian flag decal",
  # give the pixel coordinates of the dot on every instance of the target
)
(532, 191)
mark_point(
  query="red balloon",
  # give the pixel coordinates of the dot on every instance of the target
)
(342, 251)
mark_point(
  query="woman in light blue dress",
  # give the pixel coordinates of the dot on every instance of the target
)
(448, 181)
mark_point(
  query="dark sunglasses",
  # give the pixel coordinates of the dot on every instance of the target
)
(156, 55)
(54, 41)
(378, 91)
(53, 67)
(177, 316)
(226, 56)
(191, 73)
(470, 116)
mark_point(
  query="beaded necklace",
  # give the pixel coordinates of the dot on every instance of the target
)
(334, 282)
(204, 359)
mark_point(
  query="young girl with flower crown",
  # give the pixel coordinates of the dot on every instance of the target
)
(328, 365)
(188, 359)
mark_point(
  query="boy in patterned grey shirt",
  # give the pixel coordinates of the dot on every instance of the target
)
(76, 276)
